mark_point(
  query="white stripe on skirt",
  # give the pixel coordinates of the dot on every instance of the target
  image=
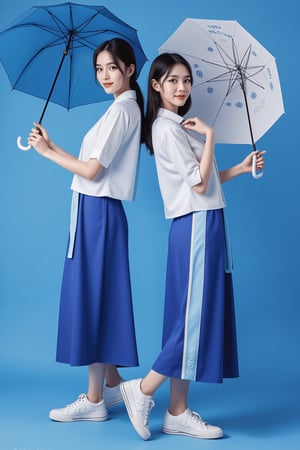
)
(195, 297)
(73, 223)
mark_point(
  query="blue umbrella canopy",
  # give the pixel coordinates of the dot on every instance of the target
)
(48, 51)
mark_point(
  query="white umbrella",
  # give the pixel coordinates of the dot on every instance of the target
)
(236, 85)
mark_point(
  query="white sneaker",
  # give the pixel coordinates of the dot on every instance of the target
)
(81, 409)
(138, 406)
(190, 423)
(112, 395)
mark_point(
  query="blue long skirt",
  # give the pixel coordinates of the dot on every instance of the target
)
(96, 323)
(199, 332)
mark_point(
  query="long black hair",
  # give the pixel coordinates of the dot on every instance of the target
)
(161, 67)
(121, 50)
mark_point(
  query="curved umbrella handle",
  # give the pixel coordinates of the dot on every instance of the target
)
(22, 147)
(256, 174)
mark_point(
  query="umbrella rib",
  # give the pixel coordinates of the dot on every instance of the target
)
(60, 25)
(219, 79)
(49, 29)
(86, 23)
(232, 82)
(254, 82)
(62, 28)
(219, 110)
(235, 54)
(246, 56)
(221, 76)
(220, 50)
(84, 40)
(238, 65)
(214, 63)
(53, 44)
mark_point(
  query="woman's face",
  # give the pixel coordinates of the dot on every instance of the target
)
(112, 79)
(174, 88)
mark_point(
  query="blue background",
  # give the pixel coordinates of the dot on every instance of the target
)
(259, 410)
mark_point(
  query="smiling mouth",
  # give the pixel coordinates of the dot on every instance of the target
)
(107, 85)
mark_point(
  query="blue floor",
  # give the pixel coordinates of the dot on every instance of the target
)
(255, 414)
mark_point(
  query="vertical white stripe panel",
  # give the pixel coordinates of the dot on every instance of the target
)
(73, 223)
(195, 297)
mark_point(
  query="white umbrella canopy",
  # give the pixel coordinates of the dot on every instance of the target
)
(236, 84)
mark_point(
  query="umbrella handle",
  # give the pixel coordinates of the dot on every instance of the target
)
(256, 174)
(22, 147)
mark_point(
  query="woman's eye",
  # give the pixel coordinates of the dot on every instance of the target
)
(112, 68)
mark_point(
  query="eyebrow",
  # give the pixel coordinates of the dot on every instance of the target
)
(177, 76)
(106, 64)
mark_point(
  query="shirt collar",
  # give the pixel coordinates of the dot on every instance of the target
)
(162, 112)
(126, 95)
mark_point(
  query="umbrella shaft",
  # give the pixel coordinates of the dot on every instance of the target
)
(247, 109)
(66, 51)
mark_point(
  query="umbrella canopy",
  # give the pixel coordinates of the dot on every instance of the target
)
(48, 51)
(236, 85)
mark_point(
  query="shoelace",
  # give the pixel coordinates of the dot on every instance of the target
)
(196, 418)
(148, 405)
(77, 402)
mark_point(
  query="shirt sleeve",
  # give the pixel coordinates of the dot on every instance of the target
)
(109, 138)
(181, 155)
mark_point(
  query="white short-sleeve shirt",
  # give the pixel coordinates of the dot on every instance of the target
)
(115, 142)
(177, 154)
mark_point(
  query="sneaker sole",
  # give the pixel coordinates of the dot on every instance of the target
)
(128, 399)
(186, 433)
(78, 419)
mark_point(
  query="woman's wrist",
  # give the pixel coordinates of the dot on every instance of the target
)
(48, 152)
(210, 135)
(242, 168)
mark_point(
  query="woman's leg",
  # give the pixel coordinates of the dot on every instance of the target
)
(112, 376)
(178, 396)
(151, 382)
(96, 380)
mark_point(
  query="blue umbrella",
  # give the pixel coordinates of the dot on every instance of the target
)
(48, 52)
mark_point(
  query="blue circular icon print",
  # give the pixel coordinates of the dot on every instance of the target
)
(239, 104)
